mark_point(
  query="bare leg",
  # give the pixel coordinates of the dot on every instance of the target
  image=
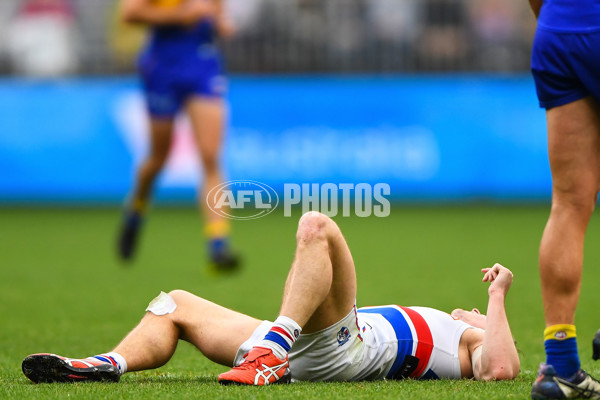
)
(215, 330)
(208, 120)
(319, 292)
(574, 150)
(321, 287)
(161, 132)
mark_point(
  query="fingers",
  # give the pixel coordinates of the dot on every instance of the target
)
(486, 274)
(498, 275)
(490, 274)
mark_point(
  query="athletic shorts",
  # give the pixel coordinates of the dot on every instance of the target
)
(364, 346)
(565, 66)
(168, 84)
(332, 354)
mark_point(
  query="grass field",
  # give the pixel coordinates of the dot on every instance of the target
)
(63, 291)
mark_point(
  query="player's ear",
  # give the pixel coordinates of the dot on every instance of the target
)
(476, 311)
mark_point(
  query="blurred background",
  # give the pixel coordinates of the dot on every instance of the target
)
(433, 97)
(305, 36)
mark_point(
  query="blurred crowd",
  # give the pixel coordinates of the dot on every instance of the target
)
(51, 38)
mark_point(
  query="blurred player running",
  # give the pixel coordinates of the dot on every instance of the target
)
(566, 66)
(326, 337)
(181, 68)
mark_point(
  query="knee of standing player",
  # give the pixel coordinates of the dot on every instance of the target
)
(156, 162)
(576, 196)
(210, 163)
(312, 226)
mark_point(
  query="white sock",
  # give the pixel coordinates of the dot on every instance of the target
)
(282, 336)
(116, 357)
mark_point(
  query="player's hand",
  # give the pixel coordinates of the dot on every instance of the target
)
(500, 278)
(193, 11)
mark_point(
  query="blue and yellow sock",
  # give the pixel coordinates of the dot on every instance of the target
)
(139, 207)
(217, 233)
(560, 342)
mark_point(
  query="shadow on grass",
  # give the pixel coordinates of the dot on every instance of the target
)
(130, 381)
(206, 380)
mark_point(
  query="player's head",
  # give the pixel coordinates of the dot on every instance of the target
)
(473, 317)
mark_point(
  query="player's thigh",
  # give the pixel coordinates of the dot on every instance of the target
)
(343, 287)
(161, 134)
(342, 294)
(217, 331)
(574, 148)
(207, 116)
(162, 104)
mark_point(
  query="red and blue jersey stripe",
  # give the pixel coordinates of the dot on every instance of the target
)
(414, 339)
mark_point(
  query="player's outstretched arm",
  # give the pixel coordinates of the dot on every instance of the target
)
(497, 358)
(149, 13)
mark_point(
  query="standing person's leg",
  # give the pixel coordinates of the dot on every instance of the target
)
(574, 151)
(215, 330)
(207, 116)
(320, 290)
(161, 133)
(596, 346)
(565, 68)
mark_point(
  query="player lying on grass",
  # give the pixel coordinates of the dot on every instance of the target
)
(338, 342)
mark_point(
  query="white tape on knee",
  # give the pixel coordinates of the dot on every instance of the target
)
(162, 304)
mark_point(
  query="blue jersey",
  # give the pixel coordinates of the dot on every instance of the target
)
(570, 15)
(179, 63)
(175, 42)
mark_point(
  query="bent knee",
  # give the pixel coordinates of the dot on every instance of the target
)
(180, 296)
(155, 163)
(210, 163)
(172, 303)
(313, 226)
(163, 304)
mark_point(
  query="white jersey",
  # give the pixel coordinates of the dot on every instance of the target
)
(375, 343)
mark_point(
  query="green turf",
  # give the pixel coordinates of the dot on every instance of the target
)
(63, 291)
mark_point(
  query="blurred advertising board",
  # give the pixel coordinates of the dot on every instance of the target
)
(431, 138)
